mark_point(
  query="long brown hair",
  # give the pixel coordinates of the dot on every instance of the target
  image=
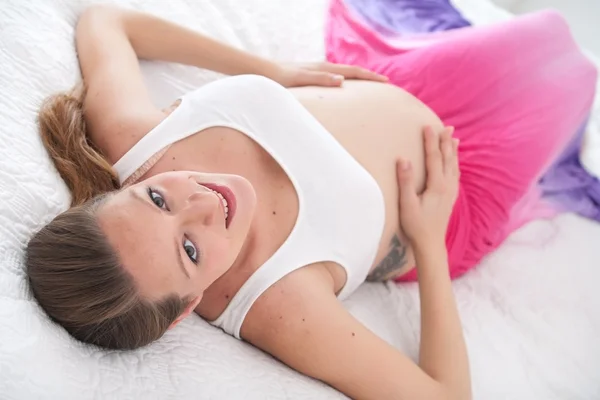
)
(75, 275)
(84, 169)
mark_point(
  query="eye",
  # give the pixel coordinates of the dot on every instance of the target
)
(157, 199)
(190, 250)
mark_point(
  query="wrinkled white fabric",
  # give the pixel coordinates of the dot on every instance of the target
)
(530, 311)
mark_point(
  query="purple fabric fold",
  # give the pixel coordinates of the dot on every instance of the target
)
(405, 17)
(566, 184)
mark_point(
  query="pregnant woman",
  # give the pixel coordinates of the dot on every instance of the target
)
(260, 204)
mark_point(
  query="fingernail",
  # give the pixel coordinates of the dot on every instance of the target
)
(338, 78)
(405, 165)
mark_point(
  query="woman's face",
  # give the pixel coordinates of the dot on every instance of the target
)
(178, 232)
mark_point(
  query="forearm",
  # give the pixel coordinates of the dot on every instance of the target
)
(154, 38)
(443, 353)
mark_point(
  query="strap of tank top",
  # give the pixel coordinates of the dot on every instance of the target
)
(154, 144)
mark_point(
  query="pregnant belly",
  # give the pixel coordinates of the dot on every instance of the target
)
(378, 124)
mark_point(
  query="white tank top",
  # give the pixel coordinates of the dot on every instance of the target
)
(341, 208)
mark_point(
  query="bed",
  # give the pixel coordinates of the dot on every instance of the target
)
(530, 311)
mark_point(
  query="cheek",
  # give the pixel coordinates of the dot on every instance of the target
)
(218, 251)
(224, 253)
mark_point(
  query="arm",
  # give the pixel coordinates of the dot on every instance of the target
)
(443, 353)
(309, 330)
(109, 42)
(154, 38)
(424, 218)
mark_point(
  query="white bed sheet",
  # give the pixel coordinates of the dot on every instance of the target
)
(530, 311)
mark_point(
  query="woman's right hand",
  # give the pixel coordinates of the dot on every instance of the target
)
(424, 218)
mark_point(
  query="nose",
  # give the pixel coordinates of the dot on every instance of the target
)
(202, 207)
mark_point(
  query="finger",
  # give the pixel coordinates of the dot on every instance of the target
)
(406, 186)
(352, 72)
(446, 150)
(365, 74)
(455, 166)
(336, 69)
(321, 78)
(433, 157)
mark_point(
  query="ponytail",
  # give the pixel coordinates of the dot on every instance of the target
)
(63, 130)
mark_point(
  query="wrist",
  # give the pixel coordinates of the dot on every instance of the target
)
(272, 70)
(251, 64)
(429, 248)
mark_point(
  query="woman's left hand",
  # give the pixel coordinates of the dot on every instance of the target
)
(322, 74)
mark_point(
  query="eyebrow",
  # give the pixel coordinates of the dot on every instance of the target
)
(136, 195)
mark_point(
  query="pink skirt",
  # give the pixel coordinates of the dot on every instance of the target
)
(516, 92)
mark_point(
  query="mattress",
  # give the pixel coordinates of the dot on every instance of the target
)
(530, 310)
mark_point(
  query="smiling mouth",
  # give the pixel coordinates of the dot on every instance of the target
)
(227, 198)
(223, 202)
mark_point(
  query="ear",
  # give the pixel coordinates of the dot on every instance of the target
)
(188, 310)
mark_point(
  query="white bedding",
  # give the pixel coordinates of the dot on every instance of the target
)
(530, 311)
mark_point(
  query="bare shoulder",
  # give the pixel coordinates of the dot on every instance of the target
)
(300, 321)
(284, 303)
(288, 306)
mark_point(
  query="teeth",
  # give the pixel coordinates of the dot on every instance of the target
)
(223, 201)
